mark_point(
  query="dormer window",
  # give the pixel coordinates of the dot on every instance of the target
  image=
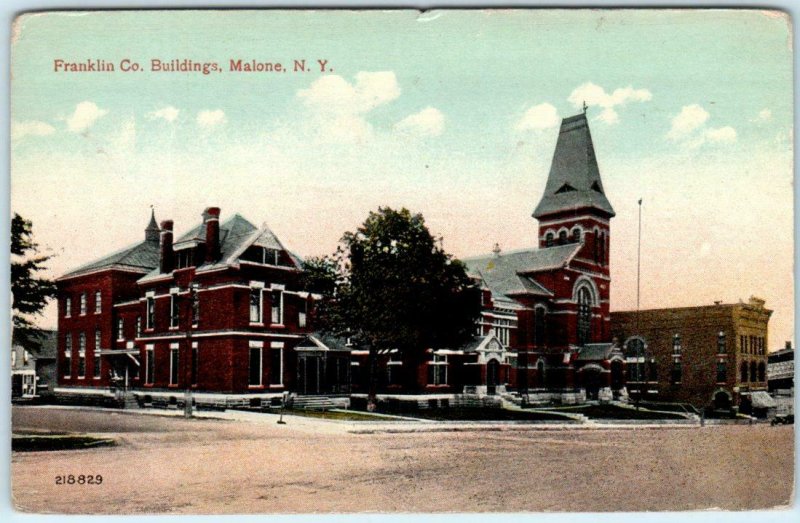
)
(562, 237)
(263, 255)
(184, 258)
(548, 239)
(565, 188)
(576, 235)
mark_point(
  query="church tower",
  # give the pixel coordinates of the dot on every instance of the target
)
(574, 207)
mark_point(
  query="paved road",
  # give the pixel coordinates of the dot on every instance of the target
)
(252, 465)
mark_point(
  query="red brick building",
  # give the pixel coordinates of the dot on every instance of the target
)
(217, 310)
(550, 305)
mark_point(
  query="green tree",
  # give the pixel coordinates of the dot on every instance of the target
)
(395, 288)
(30, 292)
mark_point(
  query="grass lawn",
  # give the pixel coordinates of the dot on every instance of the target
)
(606, 411)
(57, 441)
(338, 415)
(486, 414)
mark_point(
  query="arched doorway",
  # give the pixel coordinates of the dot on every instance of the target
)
(722, 400)
(492, 376)
(592, 380)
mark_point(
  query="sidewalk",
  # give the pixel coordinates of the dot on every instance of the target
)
(400, 425)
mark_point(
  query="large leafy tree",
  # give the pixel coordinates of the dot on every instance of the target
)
(30, 291)
(392, 286)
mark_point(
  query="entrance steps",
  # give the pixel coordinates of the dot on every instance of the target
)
(129, 401)
(320, 402)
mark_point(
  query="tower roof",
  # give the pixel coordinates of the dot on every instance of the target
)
(152, 232)
(574, 180)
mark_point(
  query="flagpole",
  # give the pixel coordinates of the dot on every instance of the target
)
(638, 266)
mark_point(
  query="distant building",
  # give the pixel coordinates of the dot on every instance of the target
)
(709, 356)
(780, 369)
(33, 373)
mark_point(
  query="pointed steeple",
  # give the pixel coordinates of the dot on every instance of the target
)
(152, 232)
(574, 180)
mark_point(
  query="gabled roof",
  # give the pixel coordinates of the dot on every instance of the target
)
(236, 234)
(142, 256)
(322, 342)
(482, 343)
(574, 180)
(508, 273)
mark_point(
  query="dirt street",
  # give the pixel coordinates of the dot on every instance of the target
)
(205, 466)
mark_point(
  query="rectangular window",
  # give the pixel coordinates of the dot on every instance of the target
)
(120, 329)
(255, 367)
(722, 372)
(83, 304)
(721, 343)
(677, 372)
(67, 355)
(151, 312)
(174, 312)
(97, 368)
(276, 301)
(173, 364)
(96, 363)
(437, 370)
(195, 362)
(676, 344)
(255, 305)
(394, 369)
(98, 302)
(150, 365)
(276, 364)
(138, 326)
(82, 355)
(195, 310)
(301, 315)
(67, 306)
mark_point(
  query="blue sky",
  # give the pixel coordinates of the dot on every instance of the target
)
(451, 113)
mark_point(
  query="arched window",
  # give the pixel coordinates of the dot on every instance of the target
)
(602, 260)
(576, 235)
(721, 344)
(743, 372)
(562, 237)
(722, 372)
(540, 327)
(584, 315)
(548, 239)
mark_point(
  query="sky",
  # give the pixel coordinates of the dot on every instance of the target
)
(453, 114)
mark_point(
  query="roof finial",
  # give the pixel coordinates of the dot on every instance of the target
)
(152, 232)
(584, 107)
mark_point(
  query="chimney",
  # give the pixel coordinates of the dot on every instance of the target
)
(211, 220)
(166, 257)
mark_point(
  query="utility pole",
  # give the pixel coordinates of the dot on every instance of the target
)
(188, 359)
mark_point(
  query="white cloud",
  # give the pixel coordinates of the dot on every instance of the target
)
(168, 113)
(538, 117)
(690, 118)
(725, 134)
(332, 93)
(30, 128)
(209, 118)
(427, 122)
(337, 108)
(593, 95)
(689, 128)
(85, 114)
